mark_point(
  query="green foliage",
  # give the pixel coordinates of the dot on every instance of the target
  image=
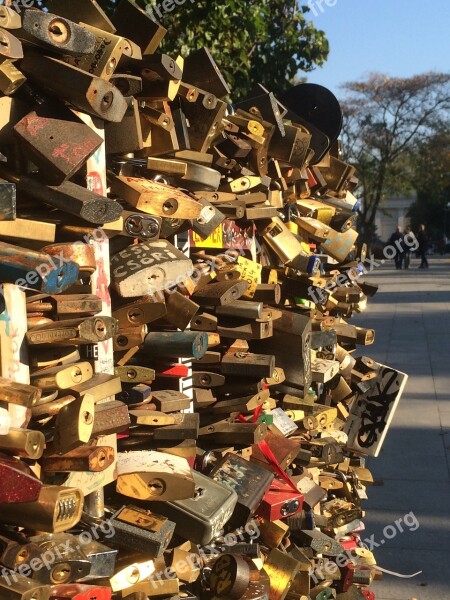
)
(386, 120)
(430, 165)
(265, 41)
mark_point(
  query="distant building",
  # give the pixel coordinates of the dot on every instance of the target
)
(392, 214)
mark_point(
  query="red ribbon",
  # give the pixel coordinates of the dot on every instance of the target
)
(257, 412)
(272, 459)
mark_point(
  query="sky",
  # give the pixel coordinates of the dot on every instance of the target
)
(398, 37)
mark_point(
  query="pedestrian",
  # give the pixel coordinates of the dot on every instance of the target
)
(396, 240)
(407, 255)
(424, 245)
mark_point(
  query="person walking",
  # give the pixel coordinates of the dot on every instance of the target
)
(396, 240)
(407, 256)
(424, 245)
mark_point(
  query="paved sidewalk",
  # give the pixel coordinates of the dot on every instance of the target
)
(411, 315)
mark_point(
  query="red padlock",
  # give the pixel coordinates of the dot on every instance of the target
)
(78, 591)
(280, 501)
(349, 542)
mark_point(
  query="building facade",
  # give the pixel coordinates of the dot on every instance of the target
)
(392, 214)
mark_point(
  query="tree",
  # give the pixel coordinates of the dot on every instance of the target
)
(385, 120)
(266, 41)
(431, 178)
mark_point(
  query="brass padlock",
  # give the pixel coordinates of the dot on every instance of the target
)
(11, 79)
(106, 54)
(56, 510)
(86, 92)
(9, 18)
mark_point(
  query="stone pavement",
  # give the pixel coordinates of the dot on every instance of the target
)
(411, 315)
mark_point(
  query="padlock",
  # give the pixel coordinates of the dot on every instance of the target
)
(19, 484)
(110, 417)
(282, 423)
(227, 432)
(205, 117)
(131, 575)
(247, 479)
(101, 386)
(134, 374)
(9, 18)
(19, 393)
(102, 559)
(108, 51)
(31, 269)
(282, 570)
(319, 542)
(64, 306)
(142, 530)
(76, 331)
(71, 562)
(148, 268)
(62, 377)
(292, 147)
(200, 519)
(39, 135)
(11, 79)
(56, 34)
(14, 586)
(280, 501)
(230, 576)
(134, 23)
(182, 344)
(157, 88)
(237, 329)
(154, 476)
(186, 426)
(69, 197)
(201, 71)
(284, 450)
(77, 591)
(85, 91)
(137, 394)
(11, 47)
(170, 400)
(221, 293)
(86, 11)
(80, 413)
(84, 458)
(16, 550)
(26, 443)
(287, 247)
(56, 510)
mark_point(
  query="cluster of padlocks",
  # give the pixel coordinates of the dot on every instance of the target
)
(185, 409)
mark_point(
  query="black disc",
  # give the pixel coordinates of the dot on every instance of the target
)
(317, 105)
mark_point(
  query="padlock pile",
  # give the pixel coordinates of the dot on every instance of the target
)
(182, 413)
